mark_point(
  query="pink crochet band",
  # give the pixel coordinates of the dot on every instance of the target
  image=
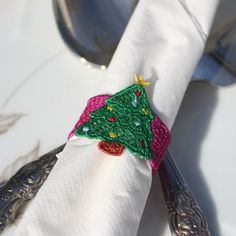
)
(161, 134)
(93, 104)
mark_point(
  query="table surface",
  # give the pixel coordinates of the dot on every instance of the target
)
(40, 76)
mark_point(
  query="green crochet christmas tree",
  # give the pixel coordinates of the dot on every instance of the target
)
(125, 120)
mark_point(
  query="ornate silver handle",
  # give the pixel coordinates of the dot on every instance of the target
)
(24, 185)
(185, 216)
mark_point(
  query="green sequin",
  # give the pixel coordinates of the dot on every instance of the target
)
(125, 119)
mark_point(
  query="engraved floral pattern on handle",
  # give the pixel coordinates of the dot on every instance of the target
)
(24, 185)
(185, 216)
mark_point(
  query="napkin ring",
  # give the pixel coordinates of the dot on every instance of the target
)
(125, 120)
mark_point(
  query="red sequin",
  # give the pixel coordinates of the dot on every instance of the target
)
(138, 93)
(112, 119)
(142, 143)
(114, 149)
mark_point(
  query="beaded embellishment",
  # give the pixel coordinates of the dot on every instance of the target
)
(125, 120)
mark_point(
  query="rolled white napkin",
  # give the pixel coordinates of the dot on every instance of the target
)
(90, 193)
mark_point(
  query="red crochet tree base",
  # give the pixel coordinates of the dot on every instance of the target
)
(114, 149)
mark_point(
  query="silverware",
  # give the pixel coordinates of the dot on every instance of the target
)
(185, 215)
(93, 28)
(24, 185)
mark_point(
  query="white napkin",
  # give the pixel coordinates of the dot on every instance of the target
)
(90, 193)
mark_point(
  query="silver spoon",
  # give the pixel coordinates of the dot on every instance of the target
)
(93, 28)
